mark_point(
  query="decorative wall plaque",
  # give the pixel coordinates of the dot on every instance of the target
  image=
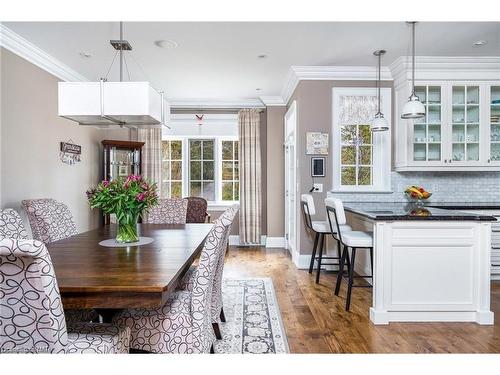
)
(70, 153)
(317, 143)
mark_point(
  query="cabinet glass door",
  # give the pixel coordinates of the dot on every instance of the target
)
(427, 130)
(465, 123)
(495, 124)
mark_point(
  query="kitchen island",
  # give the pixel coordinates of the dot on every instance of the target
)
(430, 264)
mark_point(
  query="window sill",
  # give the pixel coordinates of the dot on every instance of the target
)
(220, 206)
(340, 191)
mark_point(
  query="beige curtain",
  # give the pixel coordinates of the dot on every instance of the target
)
(151, 154)
(250, 176)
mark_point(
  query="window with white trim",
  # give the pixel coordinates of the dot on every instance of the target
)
(171, 173)
(361, 159)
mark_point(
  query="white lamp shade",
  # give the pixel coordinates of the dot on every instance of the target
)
(379, 124)
(413, 109)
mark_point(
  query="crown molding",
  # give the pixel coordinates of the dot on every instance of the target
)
(200, 103)
(272, 101)
(28, 51)
(330, 73)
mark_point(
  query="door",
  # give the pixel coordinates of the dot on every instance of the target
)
(291, 205)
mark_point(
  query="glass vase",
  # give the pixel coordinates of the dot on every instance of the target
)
(127, 228)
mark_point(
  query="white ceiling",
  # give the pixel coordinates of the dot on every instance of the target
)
(219, 60)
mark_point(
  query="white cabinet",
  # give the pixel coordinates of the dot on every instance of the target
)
(461, 129)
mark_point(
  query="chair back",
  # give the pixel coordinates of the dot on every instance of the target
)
(227, 218)
(308, 208)
(32, 317)
(196, 210)
(49, 219)
(201, 296)
(11, 225)
(336, 215)
(168, 211)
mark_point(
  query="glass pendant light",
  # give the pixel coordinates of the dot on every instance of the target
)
(413, 108)
(379, 122)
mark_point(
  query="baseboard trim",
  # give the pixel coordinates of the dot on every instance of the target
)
(275, 242)
(234, 240)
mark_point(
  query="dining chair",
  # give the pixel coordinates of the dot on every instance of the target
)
(187, 283)
(49, 219)
(182, 324)
(33, 318)
(11, 225)
(197, 210)
(168, 211)
(320, 229)
(350, 239)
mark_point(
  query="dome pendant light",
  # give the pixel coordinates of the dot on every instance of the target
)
(379, 123)
(413, 108)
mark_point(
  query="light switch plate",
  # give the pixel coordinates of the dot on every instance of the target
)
(318, 188)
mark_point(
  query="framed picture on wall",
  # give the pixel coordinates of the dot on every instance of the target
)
(318, 167)
(316, 143)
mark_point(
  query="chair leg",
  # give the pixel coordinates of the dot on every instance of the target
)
(341, 271)
(212, 351)
(371, 260)
(339, 253)
(351, 278)
(313, 256)
(216, 328)
(222, 316)
(320, 257)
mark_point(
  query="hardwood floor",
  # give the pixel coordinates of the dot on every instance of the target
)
(316, 322)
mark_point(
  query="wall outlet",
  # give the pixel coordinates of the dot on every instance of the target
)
(318, 188)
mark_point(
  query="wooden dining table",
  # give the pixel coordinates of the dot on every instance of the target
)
(109, 278)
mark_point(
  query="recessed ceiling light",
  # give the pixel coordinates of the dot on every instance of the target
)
(165, 43)
(85, 55)
(263, 56)
(479, 43)
(258, 89)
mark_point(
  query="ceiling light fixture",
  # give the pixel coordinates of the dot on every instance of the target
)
(103, 103)
(258, 89)
(166, 43)
(413, 108)
(85, 55)
(379, 122)
(479, 43)
(263, 56)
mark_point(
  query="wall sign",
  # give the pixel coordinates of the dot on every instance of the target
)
(316, 143)
(70, 153)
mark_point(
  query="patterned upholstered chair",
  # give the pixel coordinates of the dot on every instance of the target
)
(187, 283)
(11, 225)
(168, 211)
(197, 210)
(182, 325)
(32, 317)
(49, 219)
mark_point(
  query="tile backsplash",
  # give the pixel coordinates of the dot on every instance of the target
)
(444, 186)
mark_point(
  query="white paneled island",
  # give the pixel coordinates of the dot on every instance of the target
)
(430, 264)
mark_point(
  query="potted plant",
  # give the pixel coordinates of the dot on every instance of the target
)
(127, 198)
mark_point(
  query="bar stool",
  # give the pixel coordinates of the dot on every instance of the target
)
(352, 239)
(320, 228)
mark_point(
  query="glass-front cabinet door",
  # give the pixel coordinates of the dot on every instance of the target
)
(427, 131)
(494, 125)
(465, 128)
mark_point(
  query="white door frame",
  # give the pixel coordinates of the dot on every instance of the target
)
(290, 121)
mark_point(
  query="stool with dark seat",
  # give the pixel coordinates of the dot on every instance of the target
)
(320, 228)
(351, 239)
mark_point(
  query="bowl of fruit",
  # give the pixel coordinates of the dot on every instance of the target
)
(417, 194)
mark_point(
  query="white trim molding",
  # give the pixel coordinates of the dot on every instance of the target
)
(35, 55)
(275, 242)
(225, 103)
(272, 101)
(234, 240)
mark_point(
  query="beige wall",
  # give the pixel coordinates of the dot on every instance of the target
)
(30, 136)
(275, 172)
(314, 109)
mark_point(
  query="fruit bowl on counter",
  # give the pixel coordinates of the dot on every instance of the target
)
(417, 194)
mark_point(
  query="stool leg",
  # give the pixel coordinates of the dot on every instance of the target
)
(341, 271)
(351, 278)
(313, 256)
(320, 258)
(371, 260)
(338, 251)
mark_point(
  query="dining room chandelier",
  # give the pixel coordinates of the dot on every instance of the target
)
(413, 108)
(131, 104)
(379, 122)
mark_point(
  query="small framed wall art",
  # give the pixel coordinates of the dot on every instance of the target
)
(316, 143)
(318, 167)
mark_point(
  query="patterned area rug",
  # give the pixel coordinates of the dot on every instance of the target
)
(253, 320)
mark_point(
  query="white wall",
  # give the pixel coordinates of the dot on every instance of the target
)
(30, 136)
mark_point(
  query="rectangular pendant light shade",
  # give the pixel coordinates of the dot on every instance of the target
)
(132, 104)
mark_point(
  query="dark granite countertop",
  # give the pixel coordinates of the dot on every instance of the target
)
(384, 211)
(465, 205)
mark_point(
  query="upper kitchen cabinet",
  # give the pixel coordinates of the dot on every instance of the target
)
(461, 128)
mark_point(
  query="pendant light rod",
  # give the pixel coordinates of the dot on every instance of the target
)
(413, 49)
(121, 52)
(379, 54)
(379, 123)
